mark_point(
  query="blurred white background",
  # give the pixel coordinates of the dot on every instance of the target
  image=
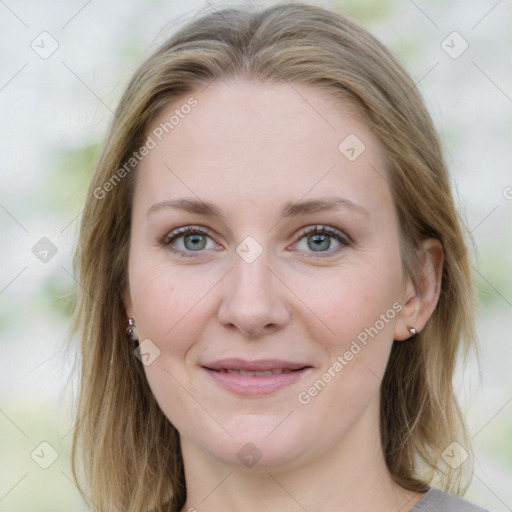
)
(63, 67)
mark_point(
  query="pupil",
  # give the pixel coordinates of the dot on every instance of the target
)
(198, 242)
(319, 242)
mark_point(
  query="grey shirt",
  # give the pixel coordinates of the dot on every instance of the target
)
(435, 500)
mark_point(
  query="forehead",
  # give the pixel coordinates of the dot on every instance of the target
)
(256, 142)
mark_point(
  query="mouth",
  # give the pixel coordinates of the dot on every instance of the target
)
(254, 373)
(255, 378)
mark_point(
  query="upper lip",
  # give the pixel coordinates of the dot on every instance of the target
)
(260, 365)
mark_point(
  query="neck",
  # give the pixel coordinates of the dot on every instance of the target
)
(351, 476)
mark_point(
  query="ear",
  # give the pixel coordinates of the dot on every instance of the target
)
(130, 313)
(419, 303)
(127, 299)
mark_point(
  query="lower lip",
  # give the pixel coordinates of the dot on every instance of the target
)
(255, 385)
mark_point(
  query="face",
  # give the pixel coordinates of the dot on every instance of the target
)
(265, 275)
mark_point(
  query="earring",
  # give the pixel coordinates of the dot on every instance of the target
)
(130, 330)
(413, 331)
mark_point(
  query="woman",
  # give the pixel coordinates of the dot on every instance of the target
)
(276, 283)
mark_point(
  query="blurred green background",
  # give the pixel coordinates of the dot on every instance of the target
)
(55, 112)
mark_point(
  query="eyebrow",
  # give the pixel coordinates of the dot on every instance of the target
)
(290, 209)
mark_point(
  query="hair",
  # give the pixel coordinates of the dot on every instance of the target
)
(124, 447)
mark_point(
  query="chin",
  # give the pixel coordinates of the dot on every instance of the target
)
(258, 443)
(262, 454)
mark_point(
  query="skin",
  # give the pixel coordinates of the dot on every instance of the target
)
(251, 149)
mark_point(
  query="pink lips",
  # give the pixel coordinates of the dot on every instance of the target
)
(255, 378)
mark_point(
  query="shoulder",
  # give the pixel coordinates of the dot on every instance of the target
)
(435, 500)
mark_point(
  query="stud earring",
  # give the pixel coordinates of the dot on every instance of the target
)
(130, 330)
(413, 331)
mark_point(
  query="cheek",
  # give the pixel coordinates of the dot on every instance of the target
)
(345, 301)
(171, 305)
(359, 305)
(167, 299)
(172, 311)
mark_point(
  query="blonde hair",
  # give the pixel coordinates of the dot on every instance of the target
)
(127, 449)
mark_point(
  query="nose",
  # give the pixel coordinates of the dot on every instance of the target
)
(253, 299)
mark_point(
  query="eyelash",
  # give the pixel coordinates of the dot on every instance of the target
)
(342, 238)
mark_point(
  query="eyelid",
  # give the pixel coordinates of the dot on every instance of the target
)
(320, 228)
(343, 239)
(185, 230)
(167, 241)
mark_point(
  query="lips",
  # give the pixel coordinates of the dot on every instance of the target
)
(251, 373)
(262, 365)
(255, 378)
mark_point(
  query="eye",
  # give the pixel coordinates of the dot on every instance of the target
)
(319, 239)
(188, 240)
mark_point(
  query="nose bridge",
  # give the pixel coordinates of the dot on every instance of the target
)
(252, 300)
(251, 274)
(252, 277)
